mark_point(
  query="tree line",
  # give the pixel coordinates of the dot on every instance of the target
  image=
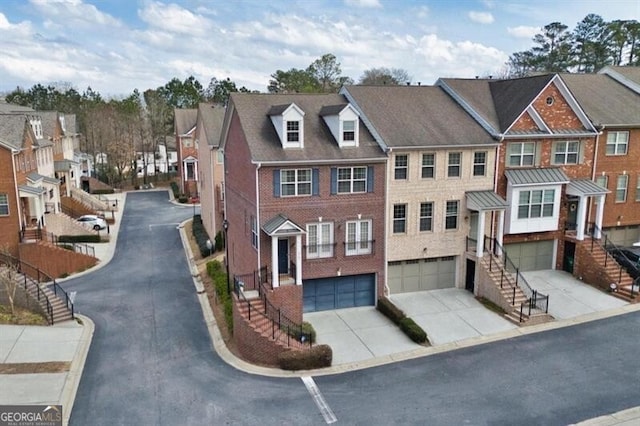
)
(140, 122)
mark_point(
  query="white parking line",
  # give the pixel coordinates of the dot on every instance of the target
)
(324, 408)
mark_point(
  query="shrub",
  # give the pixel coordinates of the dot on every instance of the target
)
(317, 357)
(219, 241)
(307, 330)
(183, 199)
(219, 278)
(201, 236)
(413, 330)
(175, 190)
(391, 311)
(79, 239)
(103, 191)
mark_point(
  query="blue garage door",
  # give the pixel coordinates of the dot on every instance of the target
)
(339, 292)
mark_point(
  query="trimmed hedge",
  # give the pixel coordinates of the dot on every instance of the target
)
(317, 357)
(103, 191)
(406, 324)
(201, 236)
(182, 199)
(307, 330)
(79, 239)
(216, 271)
(175, 190)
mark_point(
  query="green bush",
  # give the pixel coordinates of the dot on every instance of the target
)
(391, 311)
(183, 199)
(216, 271)
(103, 191)
(307, 330)
(413, 330)
(219, 241)
(317, 357)
(201, 236)
(79, 239)
(175, 190)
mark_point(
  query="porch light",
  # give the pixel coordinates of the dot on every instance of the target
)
(613, 287)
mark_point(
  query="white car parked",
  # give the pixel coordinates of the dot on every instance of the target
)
(93, 221)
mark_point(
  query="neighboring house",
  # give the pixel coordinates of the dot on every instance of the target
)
(67, 170)
(171, 154)
(304, 199)
(440, 179)
(627, 76)
(614, 109)
(211, 170)
(545, 168)
(187, 149)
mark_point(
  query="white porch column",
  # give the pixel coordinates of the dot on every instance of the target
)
(274, 262)
(298, 259)
(581, 216)
(480, 234)
(500, 231)
(599, 213)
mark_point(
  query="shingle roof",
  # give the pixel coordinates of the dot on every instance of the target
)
(50, 122)
(417, 116)
(70, 124)
(476, 93)
(185, 120)
(628, 72)
(536, 176)
(12, 130)
(8, 108)
(264, 144)
(604, 100)
(485, 200)
(332, 109)
(212, 117)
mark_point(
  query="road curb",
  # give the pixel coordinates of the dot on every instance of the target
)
(72, 382)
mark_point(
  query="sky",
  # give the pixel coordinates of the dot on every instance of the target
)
(116, 46)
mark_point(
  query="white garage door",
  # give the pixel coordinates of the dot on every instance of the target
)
(422, 274)
(533, 256)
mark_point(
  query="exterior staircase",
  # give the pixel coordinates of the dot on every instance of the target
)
(63, 224)
(520, 309)
(91, 201)
(75, 208)
(613, 272)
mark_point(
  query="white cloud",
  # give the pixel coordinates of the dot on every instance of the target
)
(21, 29)
(75, 12)
(174, 19)
(481, 17)
(523, 31)
(363, 3)
(422, 12)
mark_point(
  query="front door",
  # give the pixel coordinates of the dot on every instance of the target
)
(569, 256)
(572, 214)
(470, 276)
(283, 255)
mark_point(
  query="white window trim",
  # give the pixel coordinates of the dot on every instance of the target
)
(296, 183)
(483, 164)
(254, 232)
(458, 164)
(405, 167)
(542, 204)
(625, 188)
(323, 249)
(361, 246)
(447, 215)
(420, 217)
(343, 141)
(566, 153)
(521, 154)
(5, 203)
(351, 180)
(431, 166)
(616, 143)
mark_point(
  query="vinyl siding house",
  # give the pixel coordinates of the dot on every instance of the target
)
(440, 179)
(304, 200)
(187, 149)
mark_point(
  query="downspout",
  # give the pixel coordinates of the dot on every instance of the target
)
(15, 185)
(495, 186)
(387, 291)
(593, 172)
(258, 212)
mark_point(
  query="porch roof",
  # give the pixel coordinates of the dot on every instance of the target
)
(34, 177)
(64, 165)
(536, 176)
(281, 225)
(585, 187)
(31, 191)
(485, 200)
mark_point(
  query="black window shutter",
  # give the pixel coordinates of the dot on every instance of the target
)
(276, 183)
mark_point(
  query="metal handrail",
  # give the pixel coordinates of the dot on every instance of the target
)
(82, 248)
(40, 278)
(607, 247)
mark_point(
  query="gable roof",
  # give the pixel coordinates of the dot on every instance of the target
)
(253, 110)
(605, 100)
(511, 97)
(629, 76)
(12, 130)
(50, 122)
(212, 117)
(416, 116)
(9, 108)
(184, 120)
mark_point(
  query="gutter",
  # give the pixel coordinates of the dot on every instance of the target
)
(258, 166)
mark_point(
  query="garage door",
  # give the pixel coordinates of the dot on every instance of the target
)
(339, 292)
(532, 256)
(422, 274)
(623, 236)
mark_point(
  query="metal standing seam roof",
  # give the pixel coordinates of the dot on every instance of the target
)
(485, 200)
(31, 190)
(274, 224)
(34, 177)
(585, 187)
(536, 176)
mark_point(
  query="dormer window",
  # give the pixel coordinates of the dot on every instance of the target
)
(342, 121)
(36, 126)
(288, 121)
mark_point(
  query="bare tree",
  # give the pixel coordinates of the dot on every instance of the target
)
(9, 280)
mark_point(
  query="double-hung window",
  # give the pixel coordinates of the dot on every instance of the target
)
(455, 162)
(254, 232)
(522, 153)
(617, 143)
(535, 204)
(319, 240)
(451, 215)
(428, 166)
(399, 218)
(293, 131)
(358, 238)
(638, 188)
(352, 179)
(401, 167)
(349, 130)
(426, 216)
(295, 182)
(480, 163)
(603, 181)
(4, 205)
(621, 188)
(566, 152)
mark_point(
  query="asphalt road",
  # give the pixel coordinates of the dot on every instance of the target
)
(151, 361)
